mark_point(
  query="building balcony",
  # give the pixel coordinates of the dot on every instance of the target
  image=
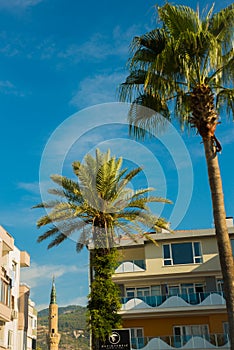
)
(5, 313)
(174, 301)
(24, 259)
(2, 345)
(131, 266)
(207, 341)
(7, 240)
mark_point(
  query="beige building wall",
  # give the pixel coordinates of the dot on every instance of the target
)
(13, 297)
(160, 320)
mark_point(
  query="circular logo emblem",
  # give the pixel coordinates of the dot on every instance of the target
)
(114, 338)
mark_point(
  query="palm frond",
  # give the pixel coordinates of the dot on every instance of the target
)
(154, 41)
(57, 241)
(57, 192)
(225, 99)
(49, 204)
(44, 220)
(122, 183)
(221, 25)
(76, 167)
(49, 233)
(83, 239)
(178, 19)
(149, 121)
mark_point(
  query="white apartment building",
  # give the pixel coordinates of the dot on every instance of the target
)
(17, 312)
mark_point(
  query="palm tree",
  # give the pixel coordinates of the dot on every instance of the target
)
(187, 65)
(99, 206)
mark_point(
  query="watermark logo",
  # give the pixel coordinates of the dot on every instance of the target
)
(114, 338)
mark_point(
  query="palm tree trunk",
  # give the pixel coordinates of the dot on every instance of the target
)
(222, 236)
(91, 278)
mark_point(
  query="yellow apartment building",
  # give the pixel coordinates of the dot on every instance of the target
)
(17, 312)
(172, 294)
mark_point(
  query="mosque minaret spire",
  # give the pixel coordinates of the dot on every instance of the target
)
(53, 337)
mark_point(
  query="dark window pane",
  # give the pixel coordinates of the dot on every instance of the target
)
(166, 251)
(198, 260)
(182, 253)
(167, 262)
(140, 263)
(197, 249)
(232, 244)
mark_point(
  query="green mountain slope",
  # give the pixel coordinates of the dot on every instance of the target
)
(72, 327)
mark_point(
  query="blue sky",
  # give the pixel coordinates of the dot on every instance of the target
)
(59, 60)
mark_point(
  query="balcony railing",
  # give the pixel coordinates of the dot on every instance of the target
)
(179, 300)
(206, 341)
(131, 266)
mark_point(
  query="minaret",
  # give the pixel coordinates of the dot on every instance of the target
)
(53, 337)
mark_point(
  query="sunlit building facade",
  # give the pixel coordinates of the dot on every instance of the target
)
(172, 294)
(15, 305)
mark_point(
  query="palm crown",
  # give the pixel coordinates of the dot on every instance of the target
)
(189, 61)
(98, 205)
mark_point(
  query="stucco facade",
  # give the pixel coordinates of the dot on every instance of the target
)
(14, 298)
(172, 294)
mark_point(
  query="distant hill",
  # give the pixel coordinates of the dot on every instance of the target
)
(72, 327)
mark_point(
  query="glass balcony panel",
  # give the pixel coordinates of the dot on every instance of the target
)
(157, 300)
(140, 263)
(219, 341)
(132, 266)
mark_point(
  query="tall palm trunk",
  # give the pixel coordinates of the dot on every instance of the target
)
(104, 302)
(205, 119)
(223, 240)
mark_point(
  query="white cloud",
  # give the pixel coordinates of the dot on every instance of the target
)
(101, 88)
(16, 216)
(100, 47)
(32, 187)
(11, 4)
(37, 275)
(8, 88)
(96, 47)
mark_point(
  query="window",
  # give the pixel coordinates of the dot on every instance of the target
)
(137, 337)
(182, 334)
(5, 293)
(130, 292)
(137, 332)
(187, 288)
(225, 327)
(156, 290)
(226, 332)
(13, 273)
(232, 244)
(30, 321)
(143, 292)
(34, 323)
(173, 290)
(137, 292)
(10, 340)
(34, 344)
(182, 253)
(197, 329)
(220, 285)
